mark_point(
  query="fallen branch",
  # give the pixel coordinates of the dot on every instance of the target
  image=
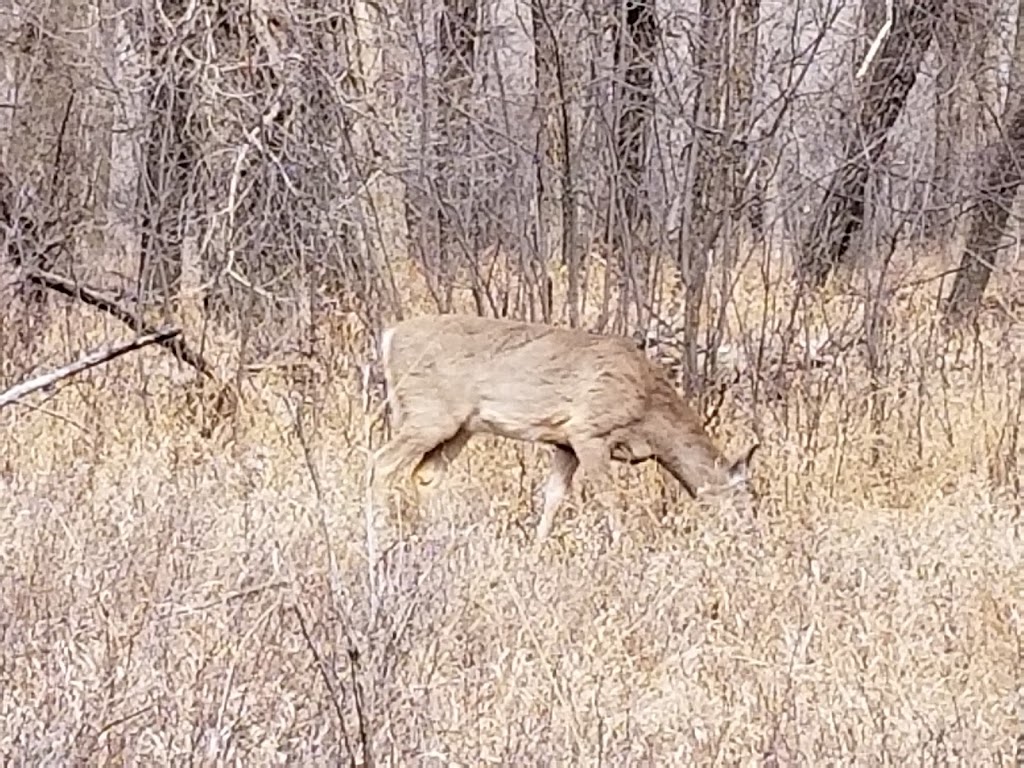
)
(90, 360)
(174, 344)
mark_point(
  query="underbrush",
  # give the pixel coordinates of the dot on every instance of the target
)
(169, 596)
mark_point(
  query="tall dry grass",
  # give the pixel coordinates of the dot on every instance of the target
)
(168, 598)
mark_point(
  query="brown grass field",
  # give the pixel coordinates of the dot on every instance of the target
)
(171, 599)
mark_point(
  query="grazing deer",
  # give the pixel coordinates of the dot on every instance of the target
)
(595, 398)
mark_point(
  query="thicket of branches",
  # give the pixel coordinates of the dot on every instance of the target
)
(261, 162)
(260, 168)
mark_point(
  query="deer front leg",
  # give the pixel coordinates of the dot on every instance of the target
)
(594, 455)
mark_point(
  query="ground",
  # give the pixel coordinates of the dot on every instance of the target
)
(168, 596)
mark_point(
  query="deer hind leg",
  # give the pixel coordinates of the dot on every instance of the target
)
(563, 466)
(409, 448)
(430, 472)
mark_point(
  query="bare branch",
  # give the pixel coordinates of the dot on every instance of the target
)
(90, 360)
(877, 42)
(174, 344)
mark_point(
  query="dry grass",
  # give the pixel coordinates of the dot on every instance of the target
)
(167, 598)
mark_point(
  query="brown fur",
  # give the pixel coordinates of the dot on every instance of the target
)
(595, 398)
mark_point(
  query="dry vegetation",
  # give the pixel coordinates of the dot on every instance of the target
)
(169, 598)
(185, 583)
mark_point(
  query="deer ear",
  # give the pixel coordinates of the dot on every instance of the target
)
(739, 472)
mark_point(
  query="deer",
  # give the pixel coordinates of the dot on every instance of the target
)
(594, 398)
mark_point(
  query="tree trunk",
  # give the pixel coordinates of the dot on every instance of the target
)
(708, 196)
(949, 134)
(381, 192)
(720, 158)
(985, 66)
(166, 195)
(48, 146)
(1015, 81)
(996, 192)
(636, 35)
(635, 38)
(995, 195)
(453, 205)
(127, 61)
(749, 183)
(556, 204)
(882, 93)
(965, 97)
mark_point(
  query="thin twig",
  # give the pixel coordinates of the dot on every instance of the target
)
(336, 698)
